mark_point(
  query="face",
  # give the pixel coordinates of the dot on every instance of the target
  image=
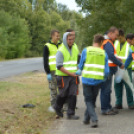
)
(73, 34)
(131, 42)
(56, 37)
(70, 40)
(121, 39)
(114, 35)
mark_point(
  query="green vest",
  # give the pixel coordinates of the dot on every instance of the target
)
(132, 47)
(70, 61)
(124, 52)
(52, 55)
(94, 65)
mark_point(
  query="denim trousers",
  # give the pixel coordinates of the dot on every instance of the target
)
(105, 95)
(90, 93)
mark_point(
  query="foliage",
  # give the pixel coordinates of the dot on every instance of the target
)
(26, 25)
(14, 35)
(102, 14)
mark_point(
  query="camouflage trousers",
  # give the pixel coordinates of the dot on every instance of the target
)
(53, 88)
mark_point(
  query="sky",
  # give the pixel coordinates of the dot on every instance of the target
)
(70, 3)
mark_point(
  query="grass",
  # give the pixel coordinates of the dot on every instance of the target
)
(31, 88)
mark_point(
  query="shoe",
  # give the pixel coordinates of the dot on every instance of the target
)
(109, 113)
(94, 124)
(59, 113)
(72, 117)
(76, 107)
(51, 109)
(114, 110)
(85, 122)
(118, 107)
(131, 107)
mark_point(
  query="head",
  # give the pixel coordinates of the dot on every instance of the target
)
(130, 38)
(113, 33)
(55, 35)
(98, 40)
(72, 32)
(70, 39)
(121, 36)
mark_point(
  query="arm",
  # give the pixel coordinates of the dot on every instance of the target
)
(67, 72)
(106, 66)
(129, 58)
(82, 59)
(46, 59)
(110, 52)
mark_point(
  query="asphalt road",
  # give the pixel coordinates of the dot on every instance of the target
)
(16, 67)
(122, 123)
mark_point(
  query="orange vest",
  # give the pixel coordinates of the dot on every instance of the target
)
(110, 63)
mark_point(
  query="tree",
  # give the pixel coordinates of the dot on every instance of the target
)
(14, 36)
(102, 14)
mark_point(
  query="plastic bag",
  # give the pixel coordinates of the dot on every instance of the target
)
(122, 74)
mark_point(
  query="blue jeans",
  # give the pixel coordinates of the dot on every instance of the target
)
(90, 93)
(105, 95)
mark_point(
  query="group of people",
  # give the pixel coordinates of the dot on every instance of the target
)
(97, 64)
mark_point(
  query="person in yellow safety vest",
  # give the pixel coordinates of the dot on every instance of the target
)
(130, 39)
(65, 107)
(95, 70)
(123, 52)
(67, 82)
(49, 58)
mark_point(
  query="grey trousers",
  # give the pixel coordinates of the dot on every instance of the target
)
(53, 88)
(67, 89)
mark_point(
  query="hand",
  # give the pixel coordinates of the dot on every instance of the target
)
(78, 72)
(73, 75)
(120, 60)
(49, 77)
(122, 67)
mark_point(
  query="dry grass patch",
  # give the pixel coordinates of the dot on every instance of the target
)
(31, 88)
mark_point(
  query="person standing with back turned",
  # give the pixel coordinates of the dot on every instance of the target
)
(113, 62)
(94, 66)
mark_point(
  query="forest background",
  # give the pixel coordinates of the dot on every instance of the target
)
(25, 25)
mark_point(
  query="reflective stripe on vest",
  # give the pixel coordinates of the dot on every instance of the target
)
(52, 55)
(110, 63)
(70, 61)
(95, 63)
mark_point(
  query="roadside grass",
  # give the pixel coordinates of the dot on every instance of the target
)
(32, 88)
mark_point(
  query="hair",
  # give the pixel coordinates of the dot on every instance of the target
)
(121, 32)
(69, 35)
(98, 38)
(53, 32)
(69, 30)
(130, 36)
(112, 29)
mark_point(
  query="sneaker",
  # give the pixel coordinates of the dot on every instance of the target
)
(72, 117)
(94, 124)
(51, 109)
(118, 107)
(131, 107)
(85, 122)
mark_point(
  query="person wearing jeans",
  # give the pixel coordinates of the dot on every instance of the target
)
(113, 62)
(95, 69)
